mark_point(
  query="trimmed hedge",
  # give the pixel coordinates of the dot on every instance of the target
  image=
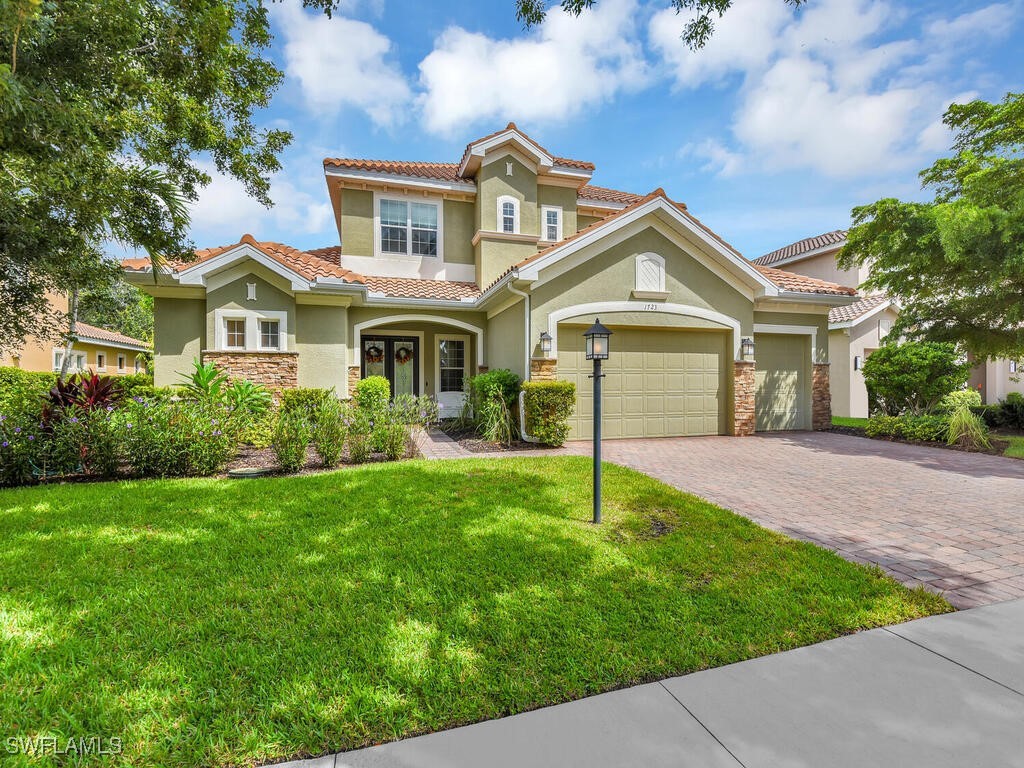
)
(21, 390)
(548, 406)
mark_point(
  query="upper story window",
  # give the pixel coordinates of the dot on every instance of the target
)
(551, 223)
(234, 333)
(508, 215)
(270, 334)
(250, 330)
(408, 228)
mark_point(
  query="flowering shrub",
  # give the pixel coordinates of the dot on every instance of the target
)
(292, 434)
(360, 436)
(19, 448)
(415, 411)
(169, 439)
(393, 438)
(330, 424)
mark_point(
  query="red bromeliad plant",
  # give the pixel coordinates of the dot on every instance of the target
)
(85, 391)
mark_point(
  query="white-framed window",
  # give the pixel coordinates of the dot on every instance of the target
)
(138, 363)
(101, 361)
(122, 361)
(270, 334)
(650, 272)
(58, 359)
(550, 223)
(508, 215)
(1013, 366)
(234, 333)
(408, 227)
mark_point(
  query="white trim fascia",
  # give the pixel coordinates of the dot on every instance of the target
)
(803, 297)
(569, 171)
(858, 320)
(604, 307)
(806, 255)
(795, 330)
(409, 181)
(585, 202)
(357, 331)
(196, 274)
(658, 204)
(381, 300)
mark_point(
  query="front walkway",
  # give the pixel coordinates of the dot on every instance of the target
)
(941, 692)
(951, 521)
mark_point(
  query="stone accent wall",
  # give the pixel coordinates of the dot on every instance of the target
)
(482, 369)
(744, 418)
(274, 370)
(543, 369)
(355, 373)
(821, 398)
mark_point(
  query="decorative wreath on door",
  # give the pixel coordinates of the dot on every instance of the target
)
(374, 354)
(403, 355)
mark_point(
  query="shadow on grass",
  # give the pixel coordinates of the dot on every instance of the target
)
(221, 622)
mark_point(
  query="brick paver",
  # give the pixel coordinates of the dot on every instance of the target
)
(951, 521)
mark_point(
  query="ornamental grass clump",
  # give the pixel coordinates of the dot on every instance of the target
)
(967, 430)
(493, 397)
(329, 429)
(292, 434)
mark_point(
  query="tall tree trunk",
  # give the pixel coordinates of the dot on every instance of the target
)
(72, 327)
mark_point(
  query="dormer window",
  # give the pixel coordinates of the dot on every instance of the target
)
(551, 223)
(408, 228)
(508, 215)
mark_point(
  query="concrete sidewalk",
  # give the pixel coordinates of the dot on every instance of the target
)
(942, 691)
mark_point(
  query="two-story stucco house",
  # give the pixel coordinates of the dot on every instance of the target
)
(858, 329)
(446, 269)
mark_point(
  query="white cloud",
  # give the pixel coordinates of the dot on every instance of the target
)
(340, 62)
(567, 66)
(818, 91)
(224, 211)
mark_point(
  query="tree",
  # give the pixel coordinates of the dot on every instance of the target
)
(696, 32)
(912, 377)
(105, 106)
(956, 263)
(119, 306)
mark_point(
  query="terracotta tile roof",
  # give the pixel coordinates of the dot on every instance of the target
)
(790, 281)
(851, 312)
(606, 195)
(319, 262)
(836, 237)
(414, 288)
(95, 333)
(421, 170)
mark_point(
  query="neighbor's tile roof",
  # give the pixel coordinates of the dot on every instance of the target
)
(790, 281)
(415, 288)
(851, 312)
(312, 264)
(95, 333)
(808, 244)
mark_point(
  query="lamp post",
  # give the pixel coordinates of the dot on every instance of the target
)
(597, 350)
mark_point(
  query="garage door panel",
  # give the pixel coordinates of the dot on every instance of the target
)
(780, 377)
(667, 383)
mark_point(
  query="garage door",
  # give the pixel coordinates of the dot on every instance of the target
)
(658, 383)
(780, 396)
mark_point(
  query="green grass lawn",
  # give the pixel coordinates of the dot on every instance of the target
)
(233, 622)
(849, 421)
(1016, 447)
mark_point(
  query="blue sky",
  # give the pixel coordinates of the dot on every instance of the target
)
(773, 132)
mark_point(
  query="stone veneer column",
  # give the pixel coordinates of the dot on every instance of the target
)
(274, 370)
(744, 419)
(821, 398)
(543, 369)
(354, 374)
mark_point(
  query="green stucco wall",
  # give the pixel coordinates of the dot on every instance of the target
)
(179, 327)
(492, 183)
(321, 335)
(582, 222)
(233, 296)
(820, 321)
(563, 197)
(496, 256)
(504, 340)
(357, 222)
(459, 228)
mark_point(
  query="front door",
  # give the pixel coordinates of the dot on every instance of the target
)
(452, 353)
(397, 359)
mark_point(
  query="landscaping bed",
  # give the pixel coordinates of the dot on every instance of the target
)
(467, 436)
(215, 622)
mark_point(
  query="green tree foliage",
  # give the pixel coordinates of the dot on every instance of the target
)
(696, 32)
(105, 106)
(913, 377)
(956, 264)
(119, 306)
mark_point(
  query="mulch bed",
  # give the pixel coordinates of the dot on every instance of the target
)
(472, 442)
(998, 446)
(263, 458)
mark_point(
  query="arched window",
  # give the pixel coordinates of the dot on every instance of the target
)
(508, 215)
(650, 272)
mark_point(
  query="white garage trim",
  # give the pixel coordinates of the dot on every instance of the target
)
(357, 331)
(599, 307)
(796, 330)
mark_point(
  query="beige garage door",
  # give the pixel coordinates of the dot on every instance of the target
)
(781, 395)
(658, 384)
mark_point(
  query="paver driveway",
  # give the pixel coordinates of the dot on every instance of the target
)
(950, 520)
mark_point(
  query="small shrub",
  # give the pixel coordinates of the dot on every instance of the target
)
(913, 377)
(176, 438)
(206, 383)
(969, 397)
(548, 406)
(928, 427)
(247, 399)
(305, 400)
(136, 385)
(493, 396)
(329, 431)
(967, 430)
(415, 411)
(258, 431)
(990, 414)
(1010, 414)
(393, 439)
(104, 443)
(22, 391)
(360, 436)
(21, 445)
(372, 395)
(292, 434)
(884, 426)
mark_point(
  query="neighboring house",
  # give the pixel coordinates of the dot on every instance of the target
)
(95, 349)
(857, 330)
(448, 269)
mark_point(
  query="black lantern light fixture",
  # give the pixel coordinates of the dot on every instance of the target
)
(597, 337)
(545, 343)
(747, 348)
